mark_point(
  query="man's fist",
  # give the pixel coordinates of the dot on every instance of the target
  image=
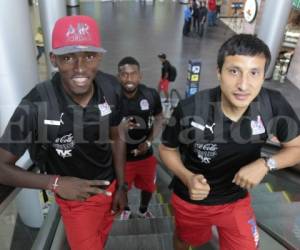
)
(198, 187)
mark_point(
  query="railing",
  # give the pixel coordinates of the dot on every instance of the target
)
(17, 235)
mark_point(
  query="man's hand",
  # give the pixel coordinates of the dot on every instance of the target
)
(120, 201)
(198, 187)
(130, 123)
(251, 175)
(143, 148)
(72, 188)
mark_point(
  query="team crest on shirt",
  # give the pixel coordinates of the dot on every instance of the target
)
(104, 108)
(64, 145)
(206, 152)
(257, 126)
(144, 104)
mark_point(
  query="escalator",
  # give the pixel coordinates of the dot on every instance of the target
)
(275, 201)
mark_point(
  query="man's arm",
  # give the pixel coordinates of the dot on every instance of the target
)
(252, 174)
(197, 184)
(157, 126)
(70, 188)
(119, 156)
(11, 175)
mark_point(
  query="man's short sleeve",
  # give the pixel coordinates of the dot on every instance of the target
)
(18, 133)
(170, 136)
(157, 103)
(286, 124)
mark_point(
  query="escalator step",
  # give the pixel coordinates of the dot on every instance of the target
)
(261, 188)
(285, 229)
(143, 226)
(158, 210)
(157, 198)
(277, 210)
(141, 242)
(268, 198)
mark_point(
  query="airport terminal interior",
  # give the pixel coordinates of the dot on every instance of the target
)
(144, 29)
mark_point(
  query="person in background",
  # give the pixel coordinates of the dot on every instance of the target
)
(187, 20)
(202, 17)
(39, 41)
(142, 114)
(213, 146)
(84, 161)
(212, 11)
(219, 5)
(195, 15)
(164, 80)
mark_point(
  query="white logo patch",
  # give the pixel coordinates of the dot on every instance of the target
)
(64, 153)
(55, 122)
(64, 145)
(257, 126)
(254, 230)
(104, 108)
(144, 104)
(211, 127)
(197, 125)
(78, 33)
(202, 127)
(205, 152)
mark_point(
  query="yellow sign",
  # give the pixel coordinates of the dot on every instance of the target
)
(195, 78)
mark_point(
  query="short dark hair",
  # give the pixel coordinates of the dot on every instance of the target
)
(128, 60)
(162, 55)
(243, 44)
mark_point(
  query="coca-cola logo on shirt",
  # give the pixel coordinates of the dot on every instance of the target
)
(209, 147)
(64, 145)
(65, 139)
(206, 152)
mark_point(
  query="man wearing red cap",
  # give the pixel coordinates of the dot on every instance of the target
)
(79, 152)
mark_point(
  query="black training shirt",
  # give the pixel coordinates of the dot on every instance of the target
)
(82, 146)
(223, 146)
(143, 109)
(165, 68)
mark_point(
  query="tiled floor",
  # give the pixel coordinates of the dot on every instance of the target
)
(144, 29)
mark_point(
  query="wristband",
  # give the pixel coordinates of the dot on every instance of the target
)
(53, 183)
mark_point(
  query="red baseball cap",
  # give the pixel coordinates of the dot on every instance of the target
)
(76, 34)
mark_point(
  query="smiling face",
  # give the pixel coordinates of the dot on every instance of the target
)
(77, 71)
(130, 77)
(241, 79)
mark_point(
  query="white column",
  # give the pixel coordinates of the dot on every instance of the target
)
(18, 74)
(272, 26)
(18, 67)
(72, 3)
(50, 12)
(73, 7)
